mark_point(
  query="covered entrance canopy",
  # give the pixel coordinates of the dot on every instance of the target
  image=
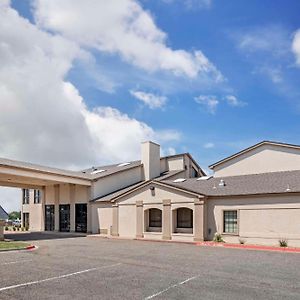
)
(60, 187)
(25, 175)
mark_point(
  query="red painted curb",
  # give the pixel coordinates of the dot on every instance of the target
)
(30, 247)
(250, 247)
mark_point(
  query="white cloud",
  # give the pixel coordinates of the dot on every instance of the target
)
(192, 4)
(210, 102)
(10, 198)
(43, 118)
(272, 39)
(171, 151)
(296, 46)
(151, 100)
(209, 145)
(121, 27)
(234, 101)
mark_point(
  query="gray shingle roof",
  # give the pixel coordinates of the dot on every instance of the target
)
(35, 167)
(266, 183)
(3, 214)
(122, 191)
(110, 169)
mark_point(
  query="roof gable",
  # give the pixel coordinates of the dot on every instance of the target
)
(139, 187)
(251, 148)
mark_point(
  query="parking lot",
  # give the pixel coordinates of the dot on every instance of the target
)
(71, 267)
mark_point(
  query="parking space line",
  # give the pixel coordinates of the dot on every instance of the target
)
(56, 277)
(171, 287)
(16, 262)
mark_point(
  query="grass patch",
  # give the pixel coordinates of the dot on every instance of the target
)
(4, 246)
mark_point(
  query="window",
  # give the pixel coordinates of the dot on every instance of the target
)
(25, 196)
(155, 217)
(37, 197)
(230, 221)
(26, 220)
(184, 218)
(194, 173)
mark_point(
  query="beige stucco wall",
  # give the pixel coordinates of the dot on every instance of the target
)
(127, 221)
(35, 213)
(67, 194)
(127, 212)
(117, 181)
(49, 197)
(101, 218)
(176, 163)
(150, 158)
(262, 219)
(266, 158)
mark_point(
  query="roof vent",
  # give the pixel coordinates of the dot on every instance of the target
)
(204, 177)
(288, 189)
(222, 183)
(97, 171)
(179, 180)
(124, 164)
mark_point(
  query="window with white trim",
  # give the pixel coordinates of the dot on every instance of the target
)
(37, 197)
(155, 217)
(230, 221)
(25, 196)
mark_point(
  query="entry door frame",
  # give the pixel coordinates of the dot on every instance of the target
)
(81, 217)
(64, 217)
(51, 222)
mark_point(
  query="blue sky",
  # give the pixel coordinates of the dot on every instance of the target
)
(249, 42)
(83, 83)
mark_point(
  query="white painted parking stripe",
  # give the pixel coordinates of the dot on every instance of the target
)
(170, 287)
(56, 277)
(16, 262)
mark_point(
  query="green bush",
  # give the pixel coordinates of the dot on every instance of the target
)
(14, 228)
(6, 228)
(26, 228)
(218, 238)
(23, 229)
(283, 243)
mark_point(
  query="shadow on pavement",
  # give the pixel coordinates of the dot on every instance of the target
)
(36, 236)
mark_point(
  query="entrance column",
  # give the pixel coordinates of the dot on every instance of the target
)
(56, 207)
(139, 220)
(89, 209)
(72, 206)
(43, 201)
(199, 219)
(166, 220)
(115, 220)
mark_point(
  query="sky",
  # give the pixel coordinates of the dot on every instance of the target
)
(84, 82)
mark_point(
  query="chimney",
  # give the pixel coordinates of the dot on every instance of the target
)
(151, 159)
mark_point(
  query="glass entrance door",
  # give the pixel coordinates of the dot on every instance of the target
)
(49, 218)
(64, 217)
(81, 218)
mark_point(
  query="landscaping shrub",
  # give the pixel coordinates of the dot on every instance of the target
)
(26, 228)
(218, 238)
(6, 228)
(283, 243)
(23, 229)
(14, 228)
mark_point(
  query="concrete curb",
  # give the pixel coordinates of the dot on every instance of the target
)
(30, 247)
(250, 247)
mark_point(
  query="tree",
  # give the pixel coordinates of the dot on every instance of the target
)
(14, 215)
